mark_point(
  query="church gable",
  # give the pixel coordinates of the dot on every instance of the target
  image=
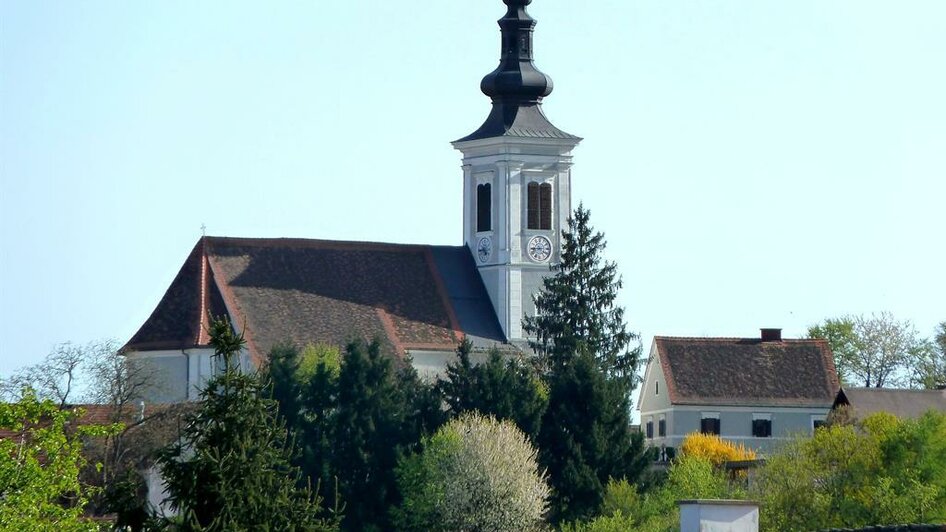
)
(178, 322)
(314, 291)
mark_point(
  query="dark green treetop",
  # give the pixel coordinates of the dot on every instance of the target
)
(576, 312)
(230, 469)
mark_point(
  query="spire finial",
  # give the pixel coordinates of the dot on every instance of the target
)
(516, 78)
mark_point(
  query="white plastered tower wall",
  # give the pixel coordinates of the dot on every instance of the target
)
(508, 165)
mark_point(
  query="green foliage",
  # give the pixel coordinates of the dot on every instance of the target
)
(381, 412)
(929, 361)
(507, 389)
(873, 351)
(353, 416)
(689, 477)
(231, 468)
(839, 332)
(39, 466)
(882, 471)
(575, 312)
(586, 438)
(475, 473)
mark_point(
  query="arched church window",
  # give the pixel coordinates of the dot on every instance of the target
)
(540, 206)
(484, 213)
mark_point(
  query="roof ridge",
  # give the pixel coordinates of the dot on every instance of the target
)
(894, 390)
(317, 243)
(717, 338)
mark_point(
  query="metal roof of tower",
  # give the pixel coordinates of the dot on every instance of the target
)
(517, 87)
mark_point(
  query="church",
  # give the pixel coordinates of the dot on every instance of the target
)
(419, 301)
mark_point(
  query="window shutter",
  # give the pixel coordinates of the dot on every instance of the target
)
(533, 206)
(545, 206)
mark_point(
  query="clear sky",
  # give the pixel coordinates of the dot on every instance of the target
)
(753, 164)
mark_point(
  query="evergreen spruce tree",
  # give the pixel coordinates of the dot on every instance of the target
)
(504, 388)
(231, 468)
(381, 413)
(586, 438)
(590, 361)
(575, 311)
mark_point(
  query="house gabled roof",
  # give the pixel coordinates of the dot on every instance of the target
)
(747, 371)
(319, 291)
(901, 403)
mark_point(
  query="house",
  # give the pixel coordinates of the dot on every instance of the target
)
(905, 404)
(419, 300)
(753, 391)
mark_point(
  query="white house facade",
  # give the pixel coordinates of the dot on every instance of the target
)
(759, 392)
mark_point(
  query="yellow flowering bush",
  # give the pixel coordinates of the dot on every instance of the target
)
(714, 449)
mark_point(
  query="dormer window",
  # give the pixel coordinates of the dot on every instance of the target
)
(484, 208)
(539, 206)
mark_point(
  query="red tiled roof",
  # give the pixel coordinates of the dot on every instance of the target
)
(748, 371)
(317, 291)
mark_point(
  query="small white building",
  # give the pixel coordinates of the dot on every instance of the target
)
(755, 391)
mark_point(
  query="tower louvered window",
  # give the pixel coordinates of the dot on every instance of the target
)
(484, 211)
(540, 206)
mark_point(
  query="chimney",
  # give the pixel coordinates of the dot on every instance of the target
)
(771, 335)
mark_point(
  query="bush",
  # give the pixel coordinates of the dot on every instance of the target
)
(715, 449)
(624, 508)
(475, 473)
(881, 471)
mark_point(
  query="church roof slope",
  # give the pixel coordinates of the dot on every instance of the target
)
(748, 371)
(901, 403)
(319, 291)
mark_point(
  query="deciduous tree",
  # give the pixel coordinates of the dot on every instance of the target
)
(39, 466)
(871, 351)
(476, 473)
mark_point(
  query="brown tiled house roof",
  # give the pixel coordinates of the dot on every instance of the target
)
(901, 403)
(318, 291)
(748, 371)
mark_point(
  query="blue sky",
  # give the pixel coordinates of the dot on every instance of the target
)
(753, 164)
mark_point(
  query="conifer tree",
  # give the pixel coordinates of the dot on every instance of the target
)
(576, 312)
(381, 413)
(586, 438)
(504, 388)
(589, 359)
(230, 469)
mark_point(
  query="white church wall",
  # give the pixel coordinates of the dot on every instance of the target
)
(176, 375)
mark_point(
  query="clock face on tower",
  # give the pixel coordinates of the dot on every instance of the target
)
(540, 249)
(484, 248)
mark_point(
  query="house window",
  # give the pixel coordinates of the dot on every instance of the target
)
(484, 213)
(539, 206)
(817, 422)
(656, 387)
(650, 429)
(709, 424)
(662, 427)
(762, 425)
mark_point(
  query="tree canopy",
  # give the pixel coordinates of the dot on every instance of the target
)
(230, 469)
(40, 464)
(476, 473)
(576, 309)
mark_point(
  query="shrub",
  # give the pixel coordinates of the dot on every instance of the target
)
(475, 473)
(715, 449)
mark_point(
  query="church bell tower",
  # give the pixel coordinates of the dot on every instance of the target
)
(516, 178)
